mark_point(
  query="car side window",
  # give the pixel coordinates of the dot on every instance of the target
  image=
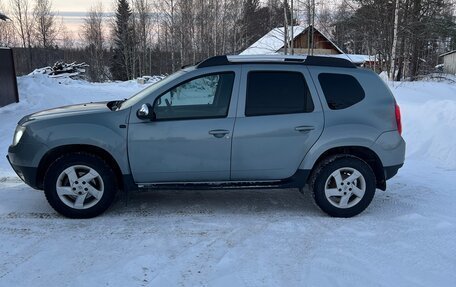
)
(206, 96)
(341, 91)
(277, 92)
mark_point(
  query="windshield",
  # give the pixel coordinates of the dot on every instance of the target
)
(150, 89)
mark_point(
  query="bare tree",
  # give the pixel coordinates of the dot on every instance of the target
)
(65, 37)
(172, 13)
(93, 37)
(394, 45)
(45, 27)
(23, 23)
(285, 28)
(142, 12)
(292, 27)
(185, 30)
(406, 36)
(7, 33)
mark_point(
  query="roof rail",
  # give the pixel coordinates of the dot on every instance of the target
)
(266, 58)
(214, 61)
(276, 59)
(328, 62)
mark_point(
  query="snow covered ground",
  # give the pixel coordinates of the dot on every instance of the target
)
(245, 237)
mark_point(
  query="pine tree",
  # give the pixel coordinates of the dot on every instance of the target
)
(122, 61)
(257, 20)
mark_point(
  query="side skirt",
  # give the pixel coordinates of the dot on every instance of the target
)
(298, 180)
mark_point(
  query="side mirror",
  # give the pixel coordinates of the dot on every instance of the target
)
(146, 112)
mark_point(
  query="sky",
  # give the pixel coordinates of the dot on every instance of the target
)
(73, 12)
(80, 5)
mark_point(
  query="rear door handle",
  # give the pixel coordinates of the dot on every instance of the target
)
(304, 128)
(219, 133)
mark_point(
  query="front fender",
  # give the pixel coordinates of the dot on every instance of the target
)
(103, 130)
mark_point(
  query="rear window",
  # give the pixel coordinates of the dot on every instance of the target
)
(274, 92)
(341, 91)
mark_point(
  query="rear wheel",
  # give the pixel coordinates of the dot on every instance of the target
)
(343, 186)
(80, 185)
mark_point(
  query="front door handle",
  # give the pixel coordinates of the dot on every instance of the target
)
(304, 128)
(219, 133)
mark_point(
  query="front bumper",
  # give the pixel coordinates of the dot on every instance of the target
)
(27, 174)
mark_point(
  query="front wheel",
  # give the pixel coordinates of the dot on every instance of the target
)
(80, 185)
(343, 186)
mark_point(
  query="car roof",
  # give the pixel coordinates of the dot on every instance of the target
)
(275, 59)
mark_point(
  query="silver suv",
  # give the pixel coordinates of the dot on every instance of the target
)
(227, 122)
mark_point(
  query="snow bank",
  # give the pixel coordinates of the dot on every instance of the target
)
(429, 120)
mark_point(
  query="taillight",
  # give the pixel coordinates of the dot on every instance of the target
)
(398, 119)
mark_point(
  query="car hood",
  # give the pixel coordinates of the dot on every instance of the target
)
(68, 110)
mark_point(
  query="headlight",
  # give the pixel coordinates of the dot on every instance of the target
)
(18, 134)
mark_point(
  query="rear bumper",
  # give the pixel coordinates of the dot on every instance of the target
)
(27, 174)
(391, 171)
(390, 148)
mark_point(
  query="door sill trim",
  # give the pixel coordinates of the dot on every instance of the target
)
(299, 179)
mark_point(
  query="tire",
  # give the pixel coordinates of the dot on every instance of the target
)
(347, 195)
(80, 185)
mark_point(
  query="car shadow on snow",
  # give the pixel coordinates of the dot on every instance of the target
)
(215, 202)
(27, 203)
(393, 203)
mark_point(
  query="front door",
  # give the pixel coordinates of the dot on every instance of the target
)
(190, 140)
(279, 119)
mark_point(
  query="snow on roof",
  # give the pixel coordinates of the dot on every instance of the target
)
(355, 58)
(271, 42)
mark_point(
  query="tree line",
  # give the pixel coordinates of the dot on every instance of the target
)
(184, 32)
(142, 37)
(147, 37)
(407, 36)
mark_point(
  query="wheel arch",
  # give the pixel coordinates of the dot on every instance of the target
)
(364, 153)
(57, 152)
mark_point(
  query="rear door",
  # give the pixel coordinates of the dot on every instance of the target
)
(279, 118)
